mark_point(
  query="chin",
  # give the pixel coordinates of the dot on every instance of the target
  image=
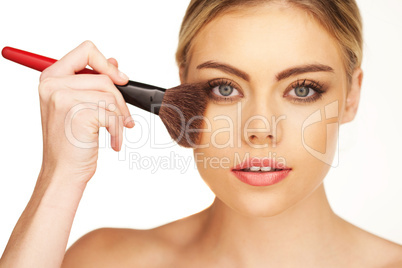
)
(260, 207)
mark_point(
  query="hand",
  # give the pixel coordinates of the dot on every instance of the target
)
(74, 107)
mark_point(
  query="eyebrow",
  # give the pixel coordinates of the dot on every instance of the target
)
(226, 68)
(307, 68)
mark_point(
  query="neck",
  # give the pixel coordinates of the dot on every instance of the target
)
(309, 227)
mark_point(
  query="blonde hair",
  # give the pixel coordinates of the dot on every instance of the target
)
(341, 18)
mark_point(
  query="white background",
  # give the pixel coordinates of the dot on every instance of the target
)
(365, 189)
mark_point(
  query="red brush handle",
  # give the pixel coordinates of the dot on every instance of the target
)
(141, 95)
(32, 60)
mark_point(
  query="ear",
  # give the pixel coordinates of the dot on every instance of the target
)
(353, 97)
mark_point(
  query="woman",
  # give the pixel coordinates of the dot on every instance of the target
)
(273, 67)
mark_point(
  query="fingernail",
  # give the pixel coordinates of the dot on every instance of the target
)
(132, 121)
(129, 122)
(123, 75)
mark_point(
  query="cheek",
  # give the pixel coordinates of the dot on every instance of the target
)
(320, 131)
(222, 131)
(312, 138)
(317, 147)
(320, 138)
(314, 130)
(215, 155)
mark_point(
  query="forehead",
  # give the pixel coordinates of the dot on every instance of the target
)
(265, 38)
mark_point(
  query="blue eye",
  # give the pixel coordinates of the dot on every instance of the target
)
(225, 91)
(305, 91)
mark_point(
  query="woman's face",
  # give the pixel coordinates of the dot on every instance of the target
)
(278, 90)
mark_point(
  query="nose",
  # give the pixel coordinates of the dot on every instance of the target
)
(258, 132)
(261, 129)
(261, 139)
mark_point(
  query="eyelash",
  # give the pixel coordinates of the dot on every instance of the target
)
(311, 84)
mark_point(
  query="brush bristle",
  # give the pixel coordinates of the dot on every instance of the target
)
(182, 113)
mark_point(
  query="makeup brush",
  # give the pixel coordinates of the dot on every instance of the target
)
(181, 108)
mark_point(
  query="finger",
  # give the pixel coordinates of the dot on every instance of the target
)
(104, 100)
(114, 126)
(77, 59)
(100, 83)
(114, 62)
(116, 139)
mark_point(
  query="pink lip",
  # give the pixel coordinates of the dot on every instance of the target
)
(261, 178)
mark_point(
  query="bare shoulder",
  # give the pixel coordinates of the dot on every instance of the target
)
(375, 251)
(388, 253)
(117, 247)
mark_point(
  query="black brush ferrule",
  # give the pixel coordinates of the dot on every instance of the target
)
(146, 97)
